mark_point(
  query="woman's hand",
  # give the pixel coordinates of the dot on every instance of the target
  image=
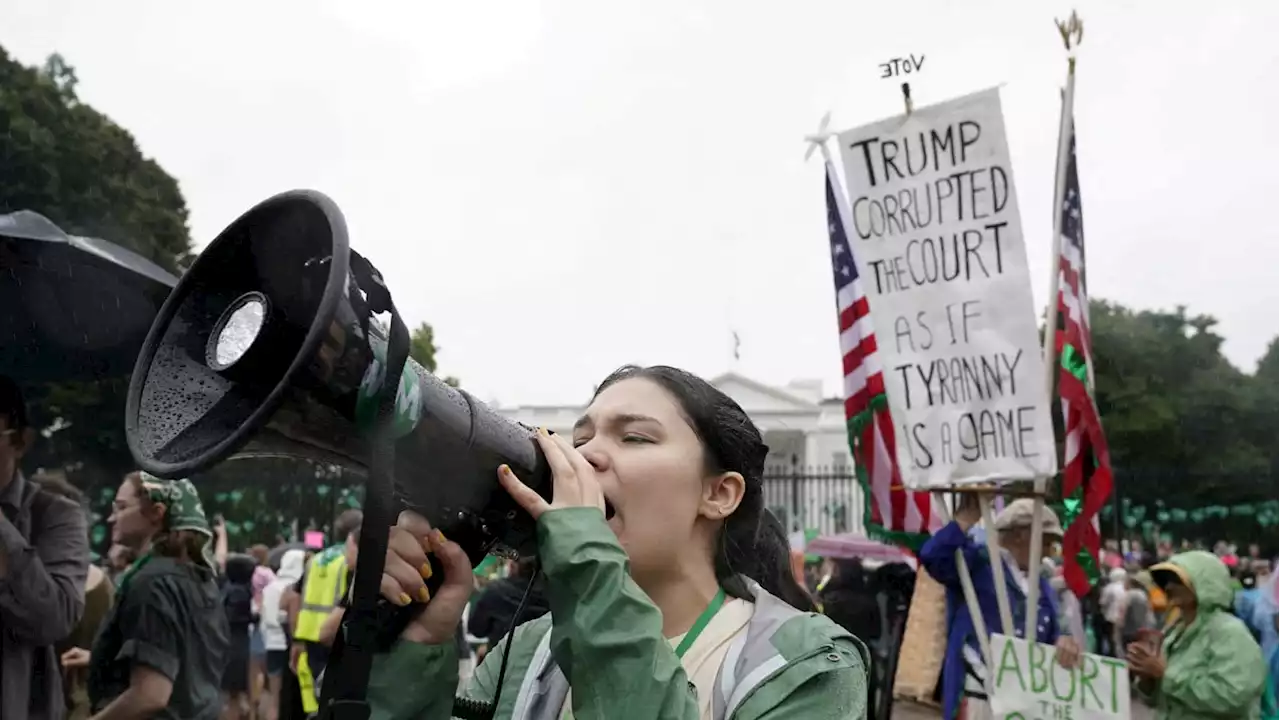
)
(75, 658)
(1068, 652)
(1143, 662)
(573, 480)
(406, 571)
(968, 512)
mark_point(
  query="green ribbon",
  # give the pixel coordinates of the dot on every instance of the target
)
(483, 568)
(1071, 509)
(1074, 363)
(853, 428)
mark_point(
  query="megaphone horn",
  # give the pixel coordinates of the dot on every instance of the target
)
(269, 346)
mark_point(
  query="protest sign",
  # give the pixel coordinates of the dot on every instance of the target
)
(1029, 684)
(938, 242)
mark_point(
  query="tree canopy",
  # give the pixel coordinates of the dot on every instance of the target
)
(1187, 430)
(72, 164)
(422, 348)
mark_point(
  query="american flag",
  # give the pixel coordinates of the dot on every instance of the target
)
(1087, 478)
(893, 513)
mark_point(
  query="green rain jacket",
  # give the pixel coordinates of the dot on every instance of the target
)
(1213, 666)
(606, 641)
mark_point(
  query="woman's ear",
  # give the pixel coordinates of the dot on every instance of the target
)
(156, 512)
(721, 495)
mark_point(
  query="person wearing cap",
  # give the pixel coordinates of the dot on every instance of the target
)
(963, 670)
(1208, 664)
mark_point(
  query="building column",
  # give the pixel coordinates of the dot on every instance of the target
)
(811, 458)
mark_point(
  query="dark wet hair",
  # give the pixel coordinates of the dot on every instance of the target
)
(239, 568)
(752, 543)
(13, 408)
(849, 575)
(347, 524)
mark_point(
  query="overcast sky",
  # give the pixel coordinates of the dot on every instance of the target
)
(563, 187)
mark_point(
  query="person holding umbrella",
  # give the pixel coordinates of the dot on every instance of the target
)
(44, 560)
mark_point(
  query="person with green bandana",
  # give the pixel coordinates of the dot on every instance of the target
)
(161, 650)
(668, 580)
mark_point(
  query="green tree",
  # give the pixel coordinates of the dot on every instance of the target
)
(1268, 369)
(1185, 427)
(423, 349)
(72, 164)
(1264, 424)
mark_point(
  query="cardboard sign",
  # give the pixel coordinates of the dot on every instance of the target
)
(1029, 684)
(938, 242)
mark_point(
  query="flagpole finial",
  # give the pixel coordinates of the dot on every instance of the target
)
(1071, 31)
(819, 139)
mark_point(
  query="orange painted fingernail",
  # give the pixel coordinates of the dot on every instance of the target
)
(440, 537)
(405, 599)
(504, 469)
(425, 571)
(424, 594)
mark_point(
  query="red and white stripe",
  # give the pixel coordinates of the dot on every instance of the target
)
(893, 507)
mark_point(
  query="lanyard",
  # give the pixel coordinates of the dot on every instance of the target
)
(700, 624)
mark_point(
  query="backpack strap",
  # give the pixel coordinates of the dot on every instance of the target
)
(752, 658)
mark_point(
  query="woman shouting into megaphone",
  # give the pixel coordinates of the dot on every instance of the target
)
(680, 604)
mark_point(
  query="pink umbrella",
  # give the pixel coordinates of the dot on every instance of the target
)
(850, 545)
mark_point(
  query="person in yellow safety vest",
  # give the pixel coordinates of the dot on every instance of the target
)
(323, 589)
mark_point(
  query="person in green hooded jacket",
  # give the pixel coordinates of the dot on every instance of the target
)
(1209, 665)
(681, 605)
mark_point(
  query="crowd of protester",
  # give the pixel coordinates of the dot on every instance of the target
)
(1196, 628)
(172, 623)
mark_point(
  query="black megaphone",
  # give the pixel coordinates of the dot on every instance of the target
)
(268, 346)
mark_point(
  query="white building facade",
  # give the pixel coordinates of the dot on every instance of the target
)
(809, 475)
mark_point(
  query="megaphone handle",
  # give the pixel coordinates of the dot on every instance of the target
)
(398, 617)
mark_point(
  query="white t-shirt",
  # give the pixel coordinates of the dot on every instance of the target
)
(703, 659)
(272, 615)
(1112, 601)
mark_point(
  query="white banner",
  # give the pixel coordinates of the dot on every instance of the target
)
(1031, 685)
(939, 248)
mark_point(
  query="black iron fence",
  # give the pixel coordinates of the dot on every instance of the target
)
(825, 500)
(265, 500)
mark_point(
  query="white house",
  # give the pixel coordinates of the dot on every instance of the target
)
(808, 466)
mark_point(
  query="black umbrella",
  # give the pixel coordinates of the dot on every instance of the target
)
(72, 308)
